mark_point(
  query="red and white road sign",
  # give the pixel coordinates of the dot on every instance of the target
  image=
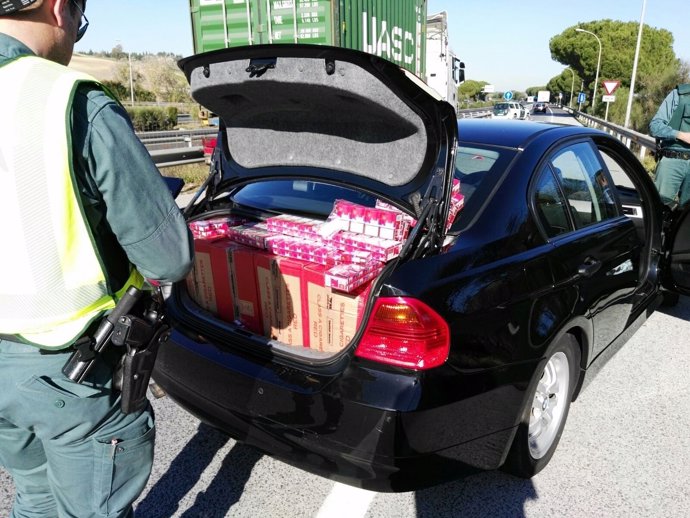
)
(610, 86)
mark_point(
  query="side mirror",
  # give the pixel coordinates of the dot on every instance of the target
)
(174, 185)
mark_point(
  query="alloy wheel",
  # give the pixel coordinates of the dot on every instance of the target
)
(549, 405)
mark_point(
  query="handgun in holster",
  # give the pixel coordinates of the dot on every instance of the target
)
(140, 335)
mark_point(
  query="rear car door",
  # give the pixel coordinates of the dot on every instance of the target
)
(676, 268)
(597, 251)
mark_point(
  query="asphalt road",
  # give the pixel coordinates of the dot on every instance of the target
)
(625, 452)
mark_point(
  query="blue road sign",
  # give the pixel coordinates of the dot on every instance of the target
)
(508, 96)
(581, 97)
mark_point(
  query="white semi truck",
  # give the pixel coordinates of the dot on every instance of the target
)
(444, 70)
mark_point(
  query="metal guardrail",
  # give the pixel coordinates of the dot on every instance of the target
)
(473, 113)
(156, 140)
(639, 143)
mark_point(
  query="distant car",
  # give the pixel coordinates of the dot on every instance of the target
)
(525, 111)
(508, 110)
(540, 108)
(475, 339)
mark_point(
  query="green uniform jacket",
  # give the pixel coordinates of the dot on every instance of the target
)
(659, 125)
(130, 211)
(127, 204)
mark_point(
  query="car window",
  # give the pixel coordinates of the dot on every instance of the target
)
(550, 205)
(585, 184)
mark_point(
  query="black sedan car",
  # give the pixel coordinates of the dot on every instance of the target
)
(470, 344)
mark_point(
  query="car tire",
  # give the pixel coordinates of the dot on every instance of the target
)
(546, 412)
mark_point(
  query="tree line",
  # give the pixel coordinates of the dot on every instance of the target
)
(659, 70)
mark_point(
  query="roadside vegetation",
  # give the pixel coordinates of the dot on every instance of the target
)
(192, 174)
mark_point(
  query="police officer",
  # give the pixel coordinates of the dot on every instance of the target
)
(84, 214)
(671, 126)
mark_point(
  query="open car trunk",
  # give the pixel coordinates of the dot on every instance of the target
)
(332, 166)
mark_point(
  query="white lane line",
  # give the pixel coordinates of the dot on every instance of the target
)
(346, 501)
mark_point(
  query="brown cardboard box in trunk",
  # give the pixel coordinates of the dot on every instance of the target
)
(244, 288)
(279, 282)
(204, 286)
(332, 316)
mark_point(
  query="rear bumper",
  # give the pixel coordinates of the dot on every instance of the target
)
(340, 432)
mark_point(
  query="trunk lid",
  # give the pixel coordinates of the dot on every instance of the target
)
(329, 114)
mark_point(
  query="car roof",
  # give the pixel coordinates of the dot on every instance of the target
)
(509, 134)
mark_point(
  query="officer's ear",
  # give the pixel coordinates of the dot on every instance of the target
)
(62, 12)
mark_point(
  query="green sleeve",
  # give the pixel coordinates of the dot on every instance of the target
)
(658, 127)
(129, 192)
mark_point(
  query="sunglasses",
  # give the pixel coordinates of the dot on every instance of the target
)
(84, 23)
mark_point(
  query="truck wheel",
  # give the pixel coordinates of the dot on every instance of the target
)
(544, 418)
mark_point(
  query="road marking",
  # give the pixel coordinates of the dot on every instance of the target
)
(344, 500)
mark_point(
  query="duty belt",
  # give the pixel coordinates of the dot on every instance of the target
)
(670, 153)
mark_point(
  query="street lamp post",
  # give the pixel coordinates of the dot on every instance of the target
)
(131, 79)
(572, 85)
(596, 79)
(634, 70)
(131, 76)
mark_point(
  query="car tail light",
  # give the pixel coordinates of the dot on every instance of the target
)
(406, 333)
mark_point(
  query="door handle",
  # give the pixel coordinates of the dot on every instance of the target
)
(589, 267)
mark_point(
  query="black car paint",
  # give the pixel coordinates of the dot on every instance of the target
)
(507, 293)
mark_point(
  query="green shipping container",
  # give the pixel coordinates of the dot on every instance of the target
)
(392, 29)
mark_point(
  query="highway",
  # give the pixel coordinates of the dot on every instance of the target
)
(625, 452)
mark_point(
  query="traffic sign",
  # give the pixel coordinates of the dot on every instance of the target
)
(581, 98)
(608, 98)
(508, 96)
(610, 86)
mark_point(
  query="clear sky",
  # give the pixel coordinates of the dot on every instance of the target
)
(503, 42)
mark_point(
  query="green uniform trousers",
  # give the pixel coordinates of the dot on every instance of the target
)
(69, 449)
(672, 179)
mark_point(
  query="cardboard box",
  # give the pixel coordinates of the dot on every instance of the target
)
(224, 282)
(204, 285)
(213, 277)
(332, 316)
(245, 291)
(279, 283)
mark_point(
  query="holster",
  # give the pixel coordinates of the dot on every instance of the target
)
(141, 338)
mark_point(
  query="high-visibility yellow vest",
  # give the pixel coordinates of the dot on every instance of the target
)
(52, 280)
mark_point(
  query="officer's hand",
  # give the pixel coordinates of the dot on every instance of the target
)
(684, 136)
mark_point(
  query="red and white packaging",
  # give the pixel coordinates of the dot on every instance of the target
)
(203, 229)
(371, 221)
(456, 187)
(349, 277)
(382, 250)
(457, 202)
(409, 220)
(214, 227)
(254, 234)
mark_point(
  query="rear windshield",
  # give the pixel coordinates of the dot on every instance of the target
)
(302, 197)
(499, 107)
(478, 168)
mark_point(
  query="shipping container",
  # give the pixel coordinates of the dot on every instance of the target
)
(392, 29)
